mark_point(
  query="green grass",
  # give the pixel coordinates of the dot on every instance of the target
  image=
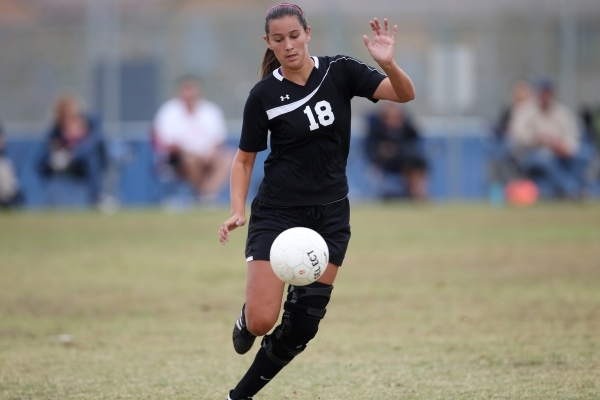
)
(435, 302)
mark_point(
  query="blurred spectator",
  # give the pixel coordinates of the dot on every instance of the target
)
(521, 96)
(74, 147)
(10, 193)
(189, 135)
(393, 145)
(544, 140)
(502, 167)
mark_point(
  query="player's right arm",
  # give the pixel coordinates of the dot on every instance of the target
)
(241, 172)
(253, 139)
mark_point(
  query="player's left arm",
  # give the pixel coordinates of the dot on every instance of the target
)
(397, 86)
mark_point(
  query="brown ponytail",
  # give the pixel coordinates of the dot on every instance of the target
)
(270, 63)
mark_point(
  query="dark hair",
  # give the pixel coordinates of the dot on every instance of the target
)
(279, 10)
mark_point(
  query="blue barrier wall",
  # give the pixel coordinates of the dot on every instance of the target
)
(457, 171)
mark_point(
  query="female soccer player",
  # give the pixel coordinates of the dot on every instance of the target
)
(304, 102)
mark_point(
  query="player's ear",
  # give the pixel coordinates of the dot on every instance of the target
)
(307, 34)
(266, 39)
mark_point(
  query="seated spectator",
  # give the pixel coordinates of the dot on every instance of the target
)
(190, 134)
(521, 96)
(10, 193)
(544, 140)
(393, 145)
(502, 167)
(74, 147)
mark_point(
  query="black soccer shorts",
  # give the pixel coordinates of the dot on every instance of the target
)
(331, 221)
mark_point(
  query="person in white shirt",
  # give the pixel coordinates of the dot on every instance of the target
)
(544, 139)
(190, 132)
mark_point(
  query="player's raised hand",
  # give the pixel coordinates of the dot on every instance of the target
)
(382, 47)
(232, 223)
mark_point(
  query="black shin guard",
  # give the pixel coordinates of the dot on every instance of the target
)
(304, 309)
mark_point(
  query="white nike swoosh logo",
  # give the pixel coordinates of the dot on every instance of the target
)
(263, 378)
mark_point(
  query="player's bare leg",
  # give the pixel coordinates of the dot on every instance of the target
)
(264, 292)
(259, 314)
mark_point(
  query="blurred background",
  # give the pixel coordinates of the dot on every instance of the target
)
(121, 58)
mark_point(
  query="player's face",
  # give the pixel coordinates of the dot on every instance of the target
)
(288, 39)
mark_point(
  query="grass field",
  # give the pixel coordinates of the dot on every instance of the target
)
(435, 302)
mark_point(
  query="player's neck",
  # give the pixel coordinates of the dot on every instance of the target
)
(299, 76)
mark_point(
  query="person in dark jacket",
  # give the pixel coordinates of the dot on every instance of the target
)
(74, 147)
(393, 145)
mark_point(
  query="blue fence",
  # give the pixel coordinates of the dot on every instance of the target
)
(458, 170)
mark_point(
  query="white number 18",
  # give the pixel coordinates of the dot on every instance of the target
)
(324, 112)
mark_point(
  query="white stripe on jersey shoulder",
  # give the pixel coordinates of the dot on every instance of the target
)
(279, 77)
(277, 111)
(316, 60)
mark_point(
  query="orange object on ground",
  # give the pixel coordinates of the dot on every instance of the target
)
(522, 192)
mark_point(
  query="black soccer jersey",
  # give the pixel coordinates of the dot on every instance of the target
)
(310, 130)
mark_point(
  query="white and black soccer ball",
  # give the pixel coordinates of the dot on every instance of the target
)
(299, 256)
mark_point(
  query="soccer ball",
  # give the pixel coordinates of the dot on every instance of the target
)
(299, 256)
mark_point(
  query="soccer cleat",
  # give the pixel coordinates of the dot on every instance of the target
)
(231, 398)
(242, 338)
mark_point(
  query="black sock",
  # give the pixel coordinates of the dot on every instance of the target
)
(259, 374)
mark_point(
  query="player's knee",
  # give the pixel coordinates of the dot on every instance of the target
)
(259, 324)
(308, 302)
(259, 328)
(304, 309)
